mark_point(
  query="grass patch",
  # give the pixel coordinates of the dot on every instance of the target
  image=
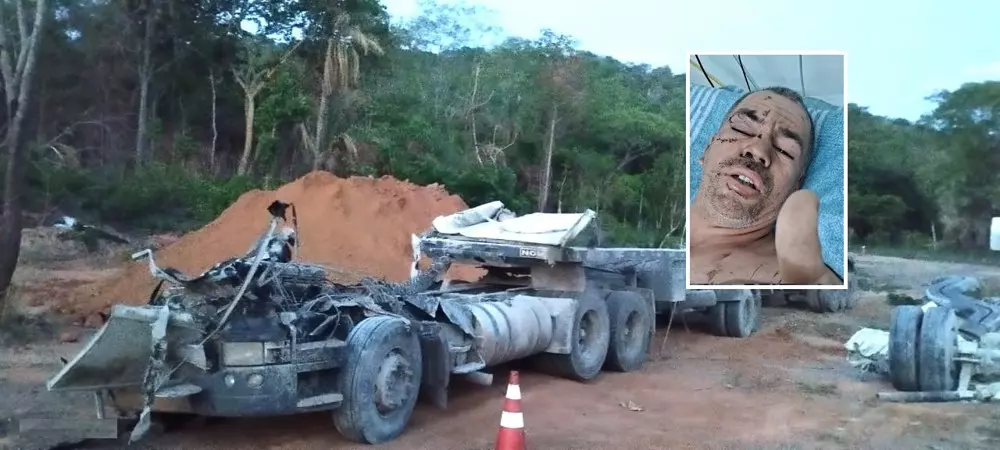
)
(18, 328)
(833, 436)
(897, 299)
(990, 433)
(821, 389)
(870, 285)
(752, 382)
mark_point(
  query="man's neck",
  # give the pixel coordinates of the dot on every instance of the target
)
(706, 233)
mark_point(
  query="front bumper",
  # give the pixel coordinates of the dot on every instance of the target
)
(269, 390)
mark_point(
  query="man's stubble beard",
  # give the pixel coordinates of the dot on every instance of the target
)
(729, 212)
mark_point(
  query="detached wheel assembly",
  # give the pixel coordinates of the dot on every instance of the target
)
(922, 347)
(380, 380)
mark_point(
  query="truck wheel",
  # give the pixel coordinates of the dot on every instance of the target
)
(936, 347)
(825, 301)
(735, 318)
(853, 293)
(379, 381)
(631, 326)
(591, 336)
(904, 329)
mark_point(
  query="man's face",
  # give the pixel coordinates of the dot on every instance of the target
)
(756, 159)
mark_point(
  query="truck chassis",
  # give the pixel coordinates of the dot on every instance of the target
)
(261, 335)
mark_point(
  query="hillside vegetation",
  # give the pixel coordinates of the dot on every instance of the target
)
(156, 114)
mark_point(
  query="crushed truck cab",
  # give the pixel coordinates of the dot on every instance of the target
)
(262, 335)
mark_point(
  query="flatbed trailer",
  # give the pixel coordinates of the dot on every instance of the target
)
(262, 336)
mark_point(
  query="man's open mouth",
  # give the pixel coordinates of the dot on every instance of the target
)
(745, 180)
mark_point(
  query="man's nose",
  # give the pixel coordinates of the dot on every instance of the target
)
(758, 151)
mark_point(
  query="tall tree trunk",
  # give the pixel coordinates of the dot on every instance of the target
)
(543, 195)
(215, 122)
(249, 110)
(17, 105)
(322, 114)
(145, 78)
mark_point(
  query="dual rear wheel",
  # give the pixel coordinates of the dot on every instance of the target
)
(611, 333)
(736, 314)
(922, 347)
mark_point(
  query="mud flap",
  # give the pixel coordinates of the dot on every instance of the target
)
(436, 365)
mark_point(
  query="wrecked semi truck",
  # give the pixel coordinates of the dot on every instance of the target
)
(262, 335)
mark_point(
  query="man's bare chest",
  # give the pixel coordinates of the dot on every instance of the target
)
(735, 267)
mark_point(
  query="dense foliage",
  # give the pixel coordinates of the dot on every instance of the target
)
(931, 183)
(140, 119)
(537, 124)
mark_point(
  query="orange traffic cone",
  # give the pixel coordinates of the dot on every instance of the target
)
(511, 434)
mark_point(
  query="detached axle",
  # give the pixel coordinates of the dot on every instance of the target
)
(936, 349)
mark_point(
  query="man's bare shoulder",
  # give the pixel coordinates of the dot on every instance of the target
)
(748, 265)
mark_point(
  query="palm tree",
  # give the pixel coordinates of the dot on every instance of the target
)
(341, 70)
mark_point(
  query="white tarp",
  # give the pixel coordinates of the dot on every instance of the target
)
(868, 350)
(995, 234)
(817, 76)
(493, 221)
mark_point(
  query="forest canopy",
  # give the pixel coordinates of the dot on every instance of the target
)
(156, 114)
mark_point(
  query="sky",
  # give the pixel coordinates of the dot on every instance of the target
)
(898, 52)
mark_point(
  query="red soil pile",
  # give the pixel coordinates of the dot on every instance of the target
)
(357, 227)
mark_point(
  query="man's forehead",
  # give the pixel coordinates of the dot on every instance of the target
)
(765, 103)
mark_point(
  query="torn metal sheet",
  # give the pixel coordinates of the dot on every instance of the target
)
(156, 373)
(118, 354)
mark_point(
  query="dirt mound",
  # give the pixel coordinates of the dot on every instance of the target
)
(358, 227)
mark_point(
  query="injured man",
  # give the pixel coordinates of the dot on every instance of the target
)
(751, 223)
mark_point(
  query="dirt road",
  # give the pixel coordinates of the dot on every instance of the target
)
(787, 387)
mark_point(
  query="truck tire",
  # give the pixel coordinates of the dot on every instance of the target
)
(380, 380)
(735, 318)
(631, 325)
(591, 336)
(826, 301)
(938, 339)
(853, 293)
(904, 329)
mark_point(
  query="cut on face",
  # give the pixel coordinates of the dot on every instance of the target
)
(756, 159)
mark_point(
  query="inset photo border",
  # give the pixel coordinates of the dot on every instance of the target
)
(767, 170)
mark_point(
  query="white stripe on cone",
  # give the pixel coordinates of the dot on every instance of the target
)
(514, 420)
(513, 392)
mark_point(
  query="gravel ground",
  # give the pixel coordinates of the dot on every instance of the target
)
(786, 387)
